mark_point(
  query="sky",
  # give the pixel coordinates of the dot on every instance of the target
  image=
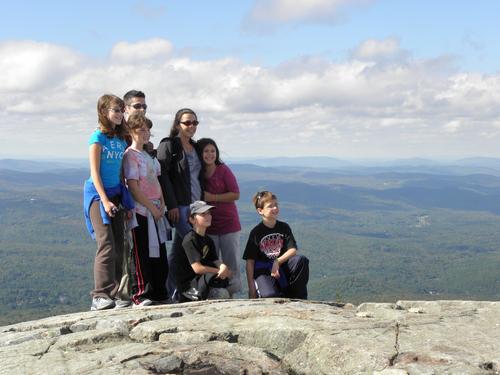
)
(351, 79)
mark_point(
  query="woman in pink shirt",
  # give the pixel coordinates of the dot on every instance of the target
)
(221, 191)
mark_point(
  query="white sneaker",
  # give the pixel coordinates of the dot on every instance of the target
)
(101, 303)
(122, 303)
(144, 302)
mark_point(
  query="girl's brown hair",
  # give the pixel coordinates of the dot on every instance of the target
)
(104, 104)
(138, 120)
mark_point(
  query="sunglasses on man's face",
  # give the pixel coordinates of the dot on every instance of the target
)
(189, 123)
(138, 106)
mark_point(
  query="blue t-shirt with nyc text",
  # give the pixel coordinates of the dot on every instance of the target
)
(112, 150)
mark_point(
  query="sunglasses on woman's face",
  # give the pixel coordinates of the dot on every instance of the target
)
(189, 123)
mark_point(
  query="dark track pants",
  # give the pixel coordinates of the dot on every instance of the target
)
(296, 271)
(149, 275)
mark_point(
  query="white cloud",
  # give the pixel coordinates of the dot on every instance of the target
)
(373, 49)
(275, 12)
(473, 95)
(356, 108)
(28, 65)
(452, 126)
(155, 49)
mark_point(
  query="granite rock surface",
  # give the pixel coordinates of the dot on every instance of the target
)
(271, 336)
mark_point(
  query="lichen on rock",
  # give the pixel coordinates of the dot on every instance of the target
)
(265, 336)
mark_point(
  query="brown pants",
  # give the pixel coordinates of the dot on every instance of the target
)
(108, 263)
(124, 289)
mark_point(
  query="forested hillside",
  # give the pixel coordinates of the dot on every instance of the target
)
(371, 235)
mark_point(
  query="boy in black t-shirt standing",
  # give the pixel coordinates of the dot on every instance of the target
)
(273, 267)
(198, 268)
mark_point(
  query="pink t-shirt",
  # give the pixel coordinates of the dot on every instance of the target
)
(138, 165)
(225, 217)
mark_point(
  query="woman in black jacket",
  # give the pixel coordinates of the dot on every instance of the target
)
(179, 180)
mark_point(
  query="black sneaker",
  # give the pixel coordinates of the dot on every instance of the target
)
(218, 293)
(192, 294)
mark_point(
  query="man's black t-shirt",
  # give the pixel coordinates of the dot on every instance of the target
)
(196, 249)
(266, 244)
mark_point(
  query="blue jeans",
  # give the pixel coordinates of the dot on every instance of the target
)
(182, 228)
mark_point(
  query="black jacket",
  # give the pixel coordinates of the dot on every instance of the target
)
(175, 179)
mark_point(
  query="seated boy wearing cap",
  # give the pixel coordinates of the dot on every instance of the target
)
(199, 272)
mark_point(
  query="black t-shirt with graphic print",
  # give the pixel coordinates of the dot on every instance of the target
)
(196, 249)
(266, 244)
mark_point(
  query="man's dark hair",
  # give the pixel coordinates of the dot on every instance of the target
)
(127, 98)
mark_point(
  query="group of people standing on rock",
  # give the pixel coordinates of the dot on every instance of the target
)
(136, 195)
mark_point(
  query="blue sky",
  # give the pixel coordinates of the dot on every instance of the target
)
(342, 78)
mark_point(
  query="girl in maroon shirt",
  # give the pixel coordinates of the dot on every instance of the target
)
(221, 191)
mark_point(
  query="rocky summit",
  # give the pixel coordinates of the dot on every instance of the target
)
(271, 336)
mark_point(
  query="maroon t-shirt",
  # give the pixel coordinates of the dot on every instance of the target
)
(225, 217)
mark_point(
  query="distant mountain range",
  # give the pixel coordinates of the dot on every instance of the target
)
(355, 188)
(332, 163)
(37, 166)
(379, 232)
(472, 165)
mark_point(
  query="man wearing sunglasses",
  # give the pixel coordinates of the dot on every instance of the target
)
(135, 101)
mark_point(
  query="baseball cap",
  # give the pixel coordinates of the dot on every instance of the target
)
(199, 207)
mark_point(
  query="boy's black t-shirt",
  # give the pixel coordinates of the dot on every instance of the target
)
(266, 244)
(196, 249)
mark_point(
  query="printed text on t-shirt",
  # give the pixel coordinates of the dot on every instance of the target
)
(271, 245)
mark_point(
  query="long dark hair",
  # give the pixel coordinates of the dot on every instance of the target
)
(174, 130)
(204, 142)
(104, 104)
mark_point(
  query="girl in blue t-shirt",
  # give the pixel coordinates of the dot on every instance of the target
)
(104, 195)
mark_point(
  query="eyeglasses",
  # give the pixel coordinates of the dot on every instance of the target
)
(189, 123)
(138, 106)
(116, 110)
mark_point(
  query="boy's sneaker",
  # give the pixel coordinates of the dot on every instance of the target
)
(144, 302)
(192, 294)
(218, 293)
(101, 303)
(122, 303)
